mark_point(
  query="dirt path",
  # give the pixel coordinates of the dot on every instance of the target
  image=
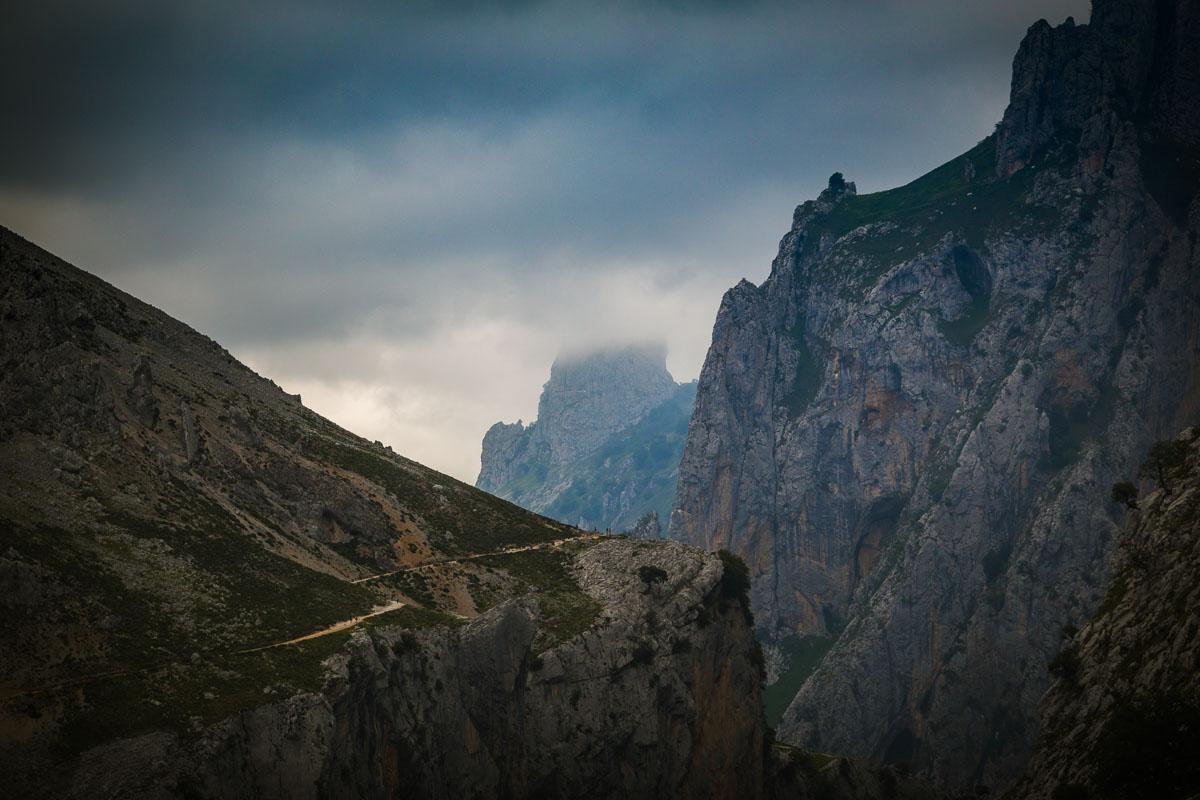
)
(474, 556)
(337, 627)
(334, 628)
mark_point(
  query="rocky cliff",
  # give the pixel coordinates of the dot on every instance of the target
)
(605, 448)
(909, 430)
(207, 590)
(1121, 719)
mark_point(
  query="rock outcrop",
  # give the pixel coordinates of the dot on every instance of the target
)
(605, 447)
(1121, 719)
(909, 430)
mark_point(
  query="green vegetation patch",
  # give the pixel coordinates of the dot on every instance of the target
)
(266, 597)
(804, 654)
(530, 475)
(810, 369)
(413, 584)
(414, 618)
(962, 198)
(962, 331)
(178, 696)
(200, 583)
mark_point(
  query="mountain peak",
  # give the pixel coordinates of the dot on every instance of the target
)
(612, 411)
(1129, 63)
(592, 395)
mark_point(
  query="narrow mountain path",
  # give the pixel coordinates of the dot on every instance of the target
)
(474, 556)
(336, 627)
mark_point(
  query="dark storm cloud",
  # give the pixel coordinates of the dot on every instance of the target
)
(416, 178)
(85, 81)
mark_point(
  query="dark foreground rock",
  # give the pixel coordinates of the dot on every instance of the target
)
(1122, 719)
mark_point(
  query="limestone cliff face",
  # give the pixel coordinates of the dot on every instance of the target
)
(908, 431)
(1120, 719)
(605, 448)
(659, 698)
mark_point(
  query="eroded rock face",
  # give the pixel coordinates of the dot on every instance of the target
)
(605, 448)
(1119, 720)
(660, 698)
(909, 430)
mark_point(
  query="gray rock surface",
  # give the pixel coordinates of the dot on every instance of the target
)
(909, 430)
(605, 447)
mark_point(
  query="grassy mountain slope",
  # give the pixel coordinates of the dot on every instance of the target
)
(164, 509)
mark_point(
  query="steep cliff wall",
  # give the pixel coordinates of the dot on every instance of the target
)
(909, 429)
(605, 448)
(1121, 719)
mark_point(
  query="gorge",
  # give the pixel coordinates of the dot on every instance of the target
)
(934, 500)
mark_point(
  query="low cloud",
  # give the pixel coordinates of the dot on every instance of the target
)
(405, 214)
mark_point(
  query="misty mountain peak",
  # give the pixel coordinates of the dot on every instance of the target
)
(605, 446)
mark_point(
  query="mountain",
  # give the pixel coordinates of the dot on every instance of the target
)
(604, 451)
(209, 591)
(1121, 718)
(909, 430)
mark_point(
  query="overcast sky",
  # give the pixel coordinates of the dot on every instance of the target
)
(404, 211)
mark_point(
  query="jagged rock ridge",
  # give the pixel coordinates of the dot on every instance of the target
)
(604, 450)
(909, 429)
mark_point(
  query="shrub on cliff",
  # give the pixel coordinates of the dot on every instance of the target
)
(651, 575)
(1065, 666)
(1163, 460)
(735, 583)
(1125, 493)
(735, 580)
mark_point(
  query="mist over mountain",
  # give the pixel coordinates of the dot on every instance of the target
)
(604, 450)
